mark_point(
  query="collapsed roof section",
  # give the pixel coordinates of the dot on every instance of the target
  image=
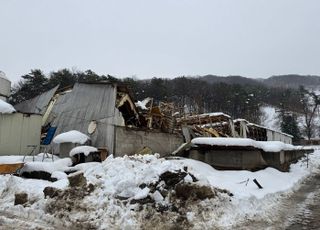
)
(38, 104)
(208, 125)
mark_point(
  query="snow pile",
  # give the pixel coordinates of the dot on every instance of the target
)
(72, 136)
(6, 107)
(50, 167)
(134, 192)
(86, 150)
(128, 189)
(123, 176)
(267, 146)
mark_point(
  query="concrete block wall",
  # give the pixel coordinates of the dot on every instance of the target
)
(129, 141)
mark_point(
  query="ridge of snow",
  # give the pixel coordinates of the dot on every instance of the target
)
(267, 146)
(50, 167)
(122, 176)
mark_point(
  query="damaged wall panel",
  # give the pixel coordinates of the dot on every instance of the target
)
(87, 103)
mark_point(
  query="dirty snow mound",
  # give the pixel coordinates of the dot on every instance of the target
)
(135, 192)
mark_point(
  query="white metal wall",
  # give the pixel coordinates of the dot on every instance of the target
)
(276, 136)
(17, 131)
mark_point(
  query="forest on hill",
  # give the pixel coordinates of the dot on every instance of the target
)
(237, 96)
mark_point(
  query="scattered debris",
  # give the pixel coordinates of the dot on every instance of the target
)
(51, 192)
(42, 175)
(20, 198)
(257, 183)
(77, 179)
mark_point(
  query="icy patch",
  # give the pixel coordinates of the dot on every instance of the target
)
(72, 136)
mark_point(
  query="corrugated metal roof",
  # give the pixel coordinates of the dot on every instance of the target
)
(37, 104)
(87, 102)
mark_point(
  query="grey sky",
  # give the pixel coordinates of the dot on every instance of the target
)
(163, 38)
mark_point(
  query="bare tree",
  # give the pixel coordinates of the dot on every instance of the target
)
(310, 102)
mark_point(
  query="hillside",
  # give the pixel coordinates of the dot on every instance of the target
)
(293, 81)
(285, 81)
(230, 80)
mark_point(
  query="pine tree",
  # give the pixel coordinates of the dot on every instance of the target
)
(289, 125)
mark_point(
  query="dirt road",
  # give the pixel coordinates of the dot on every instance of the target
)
(299, 211)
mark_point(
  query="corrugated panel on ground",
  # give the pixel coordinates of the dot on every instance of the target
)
(85, 103)
(37, 104)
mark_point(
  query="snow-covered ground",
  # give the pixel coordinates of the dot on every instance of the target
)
(130, 193)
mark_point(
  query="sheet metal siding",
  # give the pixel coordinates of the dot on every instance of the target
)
(37, 104)
(87, 102)
(275, 136)
(17, 131)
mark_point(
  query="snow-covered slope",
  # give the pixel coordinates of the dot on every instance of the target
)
(270, 118)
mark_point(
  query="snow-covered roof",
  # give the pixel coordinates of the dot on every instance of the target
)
(6, 107)
(72, 136)
(267, 146)
(86, 150)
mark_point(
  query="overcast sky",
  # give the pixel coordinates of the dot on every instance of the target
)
(164, 38)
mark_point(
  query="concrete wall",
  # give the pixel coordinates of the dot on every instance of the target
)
(235, 159)
(129, 141)
(17, 131)
(253, 159)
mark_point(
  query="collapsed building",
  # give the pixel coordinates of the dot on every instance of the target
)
(107, 113)
(256, 132)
